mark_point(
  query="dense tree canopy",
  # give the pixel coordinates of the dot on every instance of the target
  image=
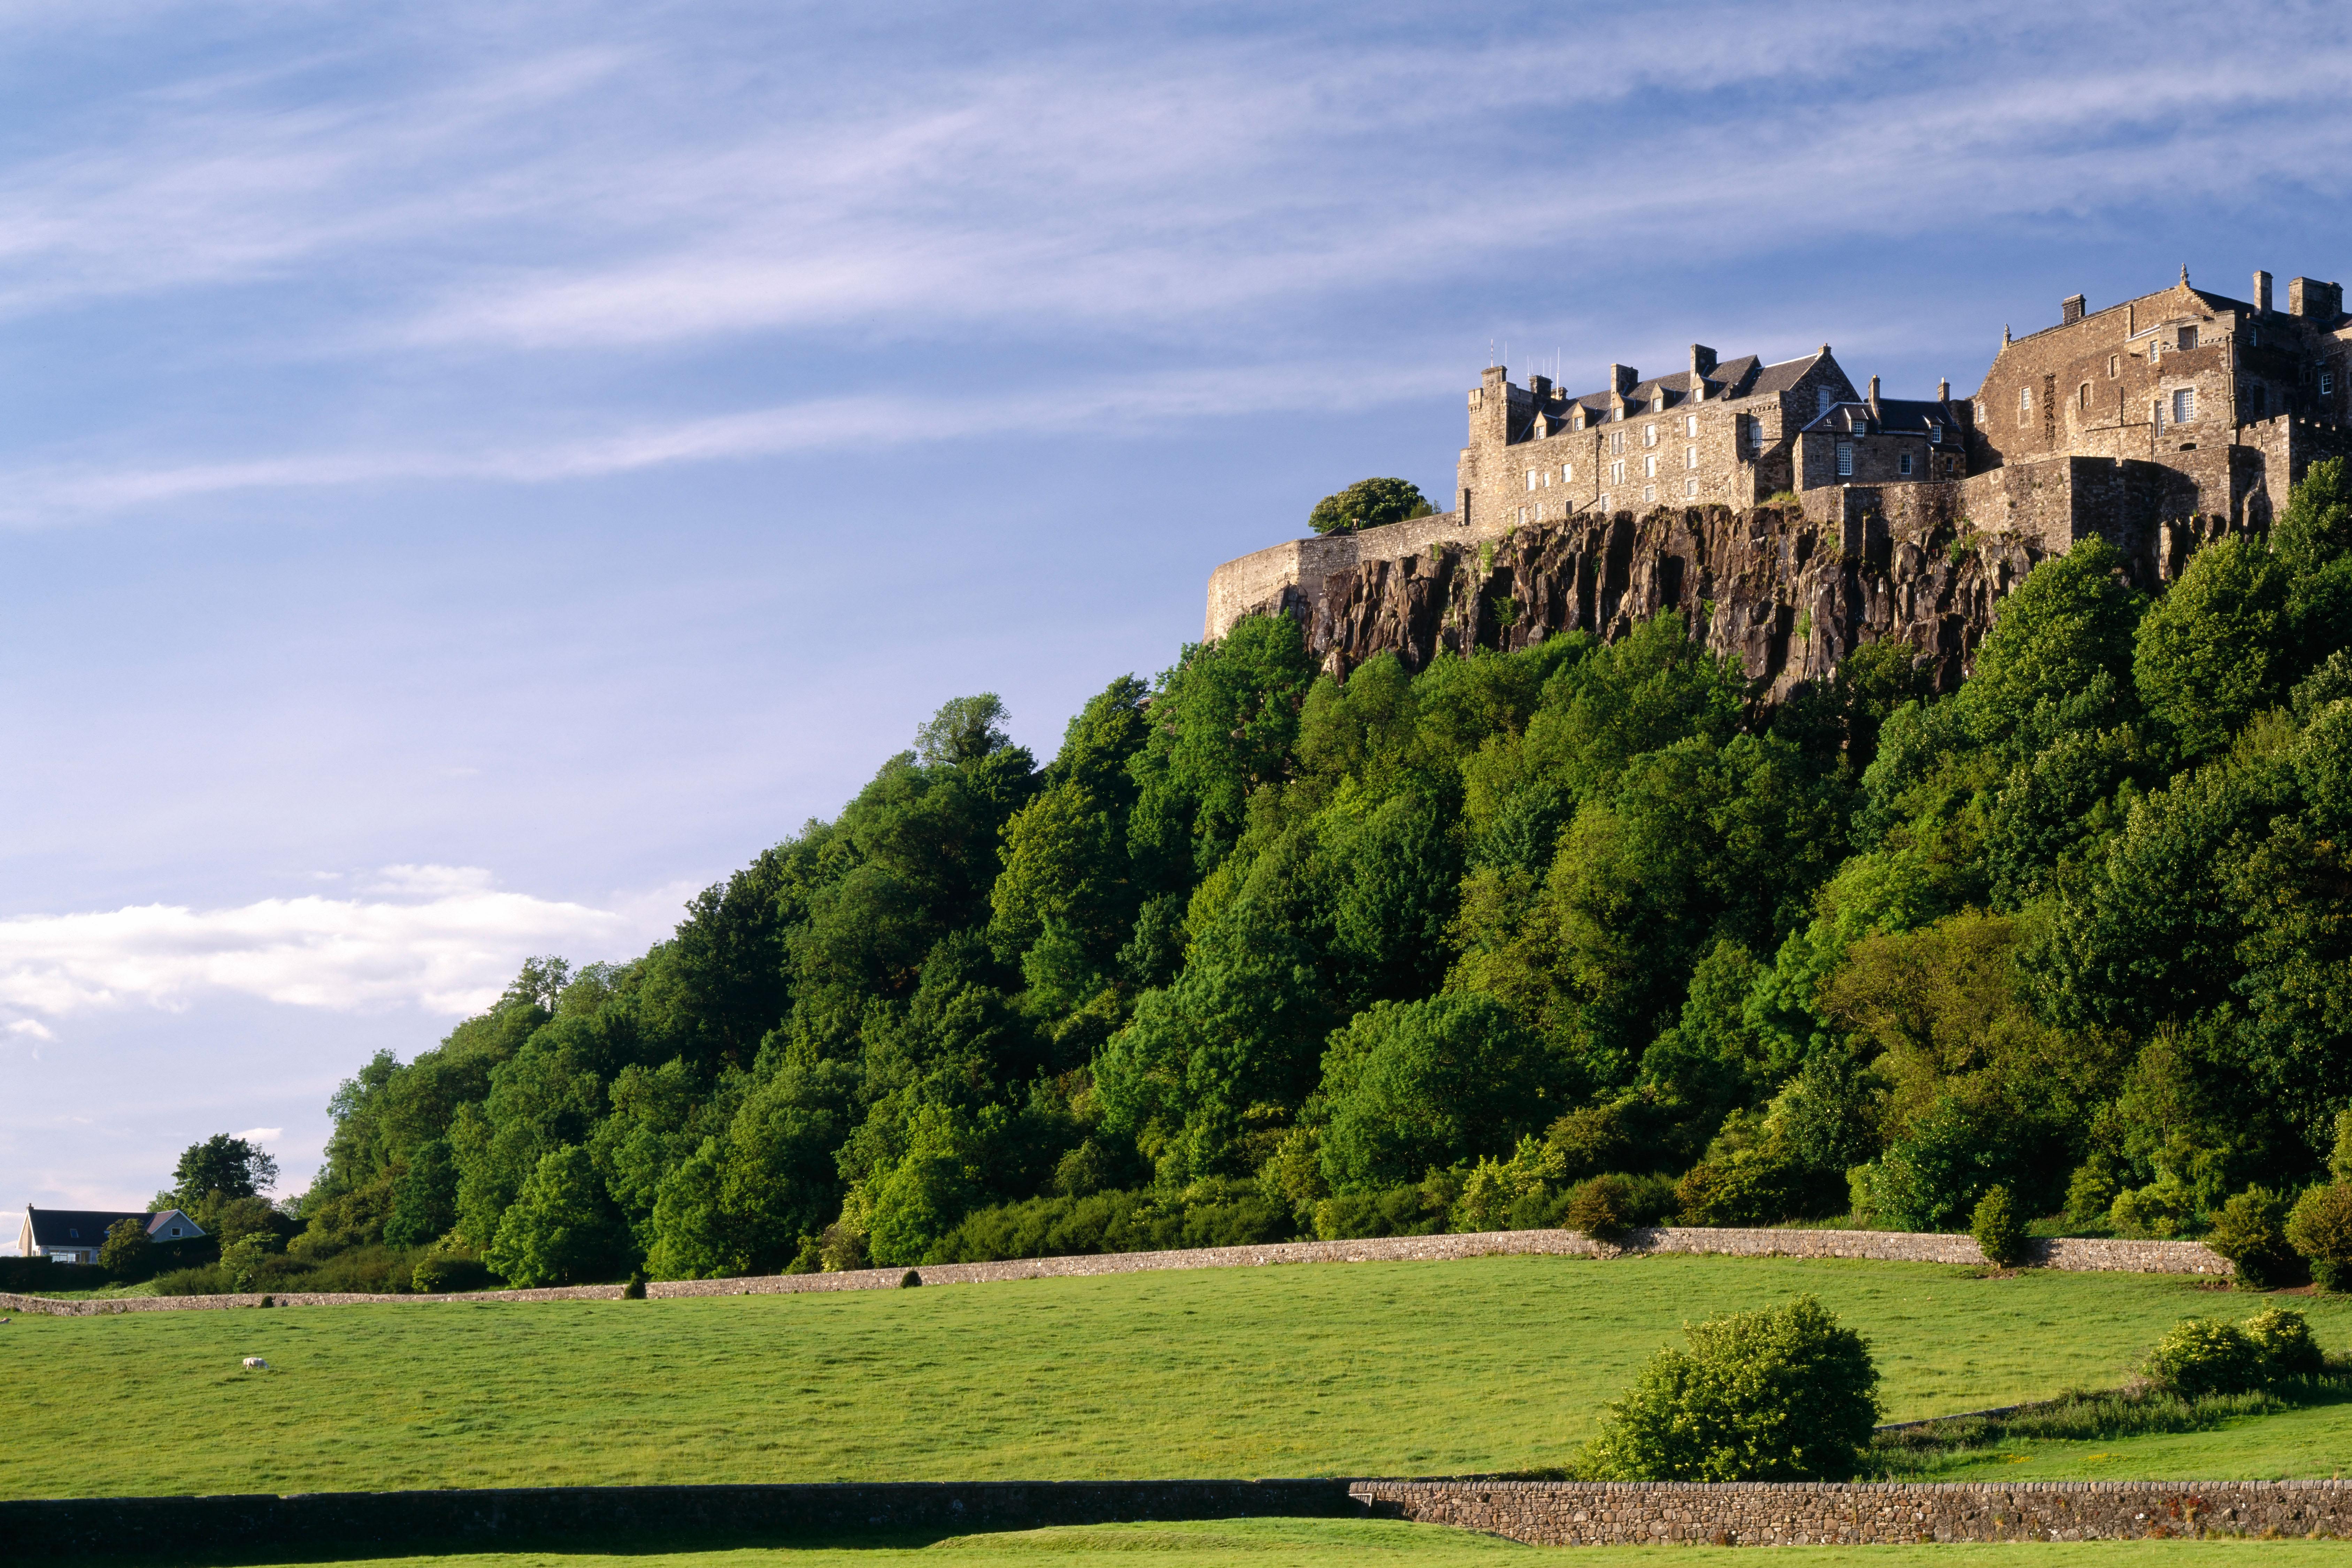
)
(1262, 952)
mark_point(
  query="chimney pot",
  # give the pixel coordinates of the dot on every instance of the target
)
(2070, 310)
(2262, 289)
(1874, 394)
(1624, 378)
(1944, 390)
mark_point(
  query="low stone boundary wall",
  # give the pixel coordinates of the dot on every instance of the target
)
(1546, 1513)
(1593, 1513)
(1898, 1247)
(74, 1529)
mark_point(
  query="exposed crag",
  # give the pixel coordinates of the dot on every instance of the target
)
(1787, 595)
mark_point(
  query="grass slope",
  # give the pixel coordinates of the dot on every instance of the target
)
(1368, 1369)
(1314, 1543)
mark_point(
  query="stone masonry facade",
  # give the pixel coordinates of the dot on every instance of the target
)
(2073, 1255)
(1758, 1513)
(2158, 423)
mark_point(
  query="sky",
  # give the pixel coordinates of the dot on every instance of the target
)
(472, 474)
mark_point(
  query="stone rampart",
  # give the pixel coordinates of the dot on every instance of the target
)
(1280, 577)
(2073, 1255)
(1593, 1513)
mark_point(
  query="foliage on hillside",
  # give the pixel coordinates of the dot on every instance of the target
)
(1258, 953)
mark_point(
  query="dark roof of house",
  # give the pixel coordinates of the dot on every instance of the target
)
(1895, 417)
(1782, 377)
(88, 1227)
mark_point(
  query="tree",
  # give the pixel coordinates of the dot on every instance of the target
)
(423, 1197)
(2070, 620)
(964, 730)
(562, 1228)
(1784, 1394)
(1407, 1085)
(223, 1167)
(1368, 503)
(2213, 649)
(126, 1251)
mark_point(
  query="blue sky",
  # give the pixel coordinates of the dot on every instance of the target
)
(471, 474)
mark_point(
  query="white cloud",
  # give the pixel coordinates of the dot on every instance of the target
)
(261, 1135)
(32, 1026)
(442, 938)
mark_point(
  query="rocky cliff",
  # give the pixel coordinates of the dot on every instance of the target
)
(1787, 595)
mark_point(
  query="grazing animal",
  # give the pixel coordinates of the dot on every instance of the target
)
(255, 1363)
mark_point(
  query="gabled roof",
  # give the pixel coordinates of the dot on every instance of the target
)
(1782, 377)
(88, 1227)
(1894, 416)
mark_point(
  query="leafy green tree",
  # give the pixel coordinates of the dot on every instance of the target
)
(1368, 503)
(1785, 1394)
(423, 1197)
(222, 1167)
(965, 730)
(2214, 650)
(2314, 529)
(1223, 723)
(561, 1229)
(126, 1253)
(2071, 620)
(1408, 1086)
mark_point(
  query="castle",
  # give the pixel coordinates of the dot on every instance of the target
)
(2155, 423)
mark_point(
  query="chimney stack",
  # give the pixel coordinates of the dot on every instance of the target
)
(2070, 310)
(1540, 385)
(1944, 390)
(1874, 394)
(1624, 378)
(2261, 291)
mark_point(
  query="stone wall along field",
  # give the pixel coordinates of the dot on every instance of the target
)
(2083, 1255)
(1594, 1514)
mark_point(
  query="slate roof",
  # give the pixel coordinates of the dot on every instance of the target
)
(1746, 376)
(1895, 417)
(88, 1227)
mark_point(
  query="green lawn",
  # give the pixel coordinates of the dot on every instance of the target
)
(1366, 1369)
(1335, 1543)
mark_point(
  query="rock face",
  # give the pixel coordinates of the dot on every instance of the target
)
(1788, 597)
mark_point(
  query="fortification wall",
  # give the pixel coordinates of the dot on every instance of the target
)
(1593, 1513)
(1277, 578)
(2073, 1255)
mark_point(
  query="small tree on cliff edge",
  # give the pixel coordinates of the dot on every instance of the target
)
(1779, 1395)
(1368, 503)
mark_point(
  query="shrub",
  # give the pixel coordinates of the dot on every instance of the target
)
(438, 1273)
(2250, 1232)
(1368, 503)
(2158, 1209)
(2000, 1233)
(2206, 1356)
(1397, 1211)
(125, 1252)
(2091, 1193)
(1782, 1395)
(2286, 1344)
(1603, 1209)
(2320, 1229)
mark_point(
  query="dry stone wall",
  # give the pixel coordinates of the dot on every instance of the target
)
(1591, 1513)
(2074, 1255)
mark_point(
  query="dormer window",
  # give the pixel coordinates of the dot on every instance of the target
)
(1658, 403)
(1577, 422)
(2187, 339)
(1936, 434)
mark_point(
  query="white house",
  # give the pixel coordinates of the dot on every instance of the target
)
(74, 1236)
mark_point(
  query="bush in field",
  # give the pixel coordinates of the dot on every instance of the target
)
(1603, 1209)
(2206, 1356)
(2286, 1344)
(2250, 1232)
(2320, 1229)
(1784, 1394)
(2000, 1233)
(126, 1253)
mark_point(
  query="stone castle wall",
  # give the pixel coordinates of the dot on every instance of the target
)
(2071, 1255)
(1593, 1513)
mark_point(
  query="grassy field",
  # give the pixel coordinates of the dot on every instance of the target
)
(1371, 1369)
(1329, 1544)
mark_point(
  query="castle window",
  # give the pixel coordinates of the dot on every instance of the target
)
(2328, 383)
(1952, 466)
(2024, 404)
(1690, 426)
(2184, 406)
(1690, 487)
(1567, 473)
(1649, 492)
(1523, 515)
(1845, 459)
(2082, 395)
(1649, 435)
(1690, 456)
(1531, 478)
(1822, 401)
(1658, 403)
(1604, 503)
(1936, 434)
(1617, 473)
(1616, 442)
(2115, 366)
(1905, 465)
(2187, 339)
(1576, 421)
(1755, 434)
(1650, 467)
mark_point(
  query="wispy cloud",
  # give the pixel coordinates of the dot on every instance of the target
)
(447, 947)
